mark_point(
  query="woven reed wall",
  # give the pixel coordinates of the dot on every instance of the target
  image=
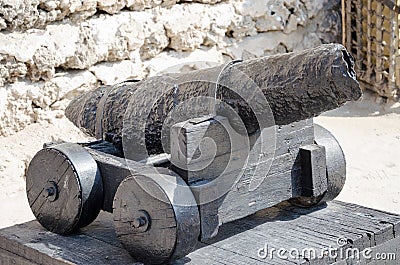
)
(371, 30)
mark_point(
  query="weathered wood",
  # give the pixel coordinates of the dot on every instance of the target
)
(104, 147)
(222, 195)
(64, 187)
(201, 148)
(227, 170)
(31, 242)
(314, 181)
(156, 217)
(335, 162)
(9, 258)
(296, 86)
(238, 242)
(114, 170)
(390, 249)
(278, 181)
(261, 152)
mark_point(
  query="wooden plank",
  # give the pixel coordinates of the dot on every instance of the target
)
(332, 229)
(201, 148)
(349, 28)
(397, 57)
(280, 227)
(386, 253)
(369, 42)
(394, 50)
(9, 258)
(377, 230)
(373, 229)
(377, 215)
(379, 47)
(103, 230)
(360, 35)
(249, 236)
(343, 2)
(217, 254)
(239, 202)
(32, 242)
(285, 231)
(276, 181)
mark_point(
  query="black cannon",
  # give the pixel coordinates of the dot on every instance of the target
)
(182, 153)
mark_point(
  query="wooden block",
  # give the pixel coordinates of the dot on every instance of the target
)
(113, 170)
(201, 148)
(314, 180)
(209, 220)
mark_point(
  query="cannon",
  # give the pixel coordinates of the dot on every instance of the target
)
(179, 154)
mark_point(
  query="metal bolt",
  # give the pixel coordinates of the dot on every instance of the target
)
(139, 222)
(51, 191)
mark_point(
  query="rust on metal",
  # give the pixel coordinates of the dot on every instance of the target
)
(297, 86)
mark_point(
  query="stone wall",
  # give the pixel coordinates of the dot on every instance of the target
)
(51, 51)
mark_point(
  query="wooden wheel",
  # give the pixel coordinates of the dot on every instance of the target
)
(156, 217)
(335, 162)
(64, 188)
(335, 169)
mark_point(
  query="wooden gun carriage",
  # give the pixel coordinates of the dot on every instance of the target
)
(172, 180)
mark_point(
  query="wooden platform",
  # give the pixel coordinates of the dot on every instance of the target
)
(240, 242)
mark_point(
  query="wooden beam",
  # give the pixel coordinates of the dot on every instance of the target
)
(237, 243)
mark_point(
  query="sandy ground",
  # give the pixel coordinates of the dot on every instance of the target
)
(16, 152)
(368, 130)
(369, 133)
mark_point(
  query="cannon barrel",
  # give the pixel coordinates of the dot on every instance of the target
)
(260, 148)
(297, 86)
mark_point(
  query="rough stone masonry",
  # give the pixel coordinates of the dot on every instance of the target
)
(52, 51)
